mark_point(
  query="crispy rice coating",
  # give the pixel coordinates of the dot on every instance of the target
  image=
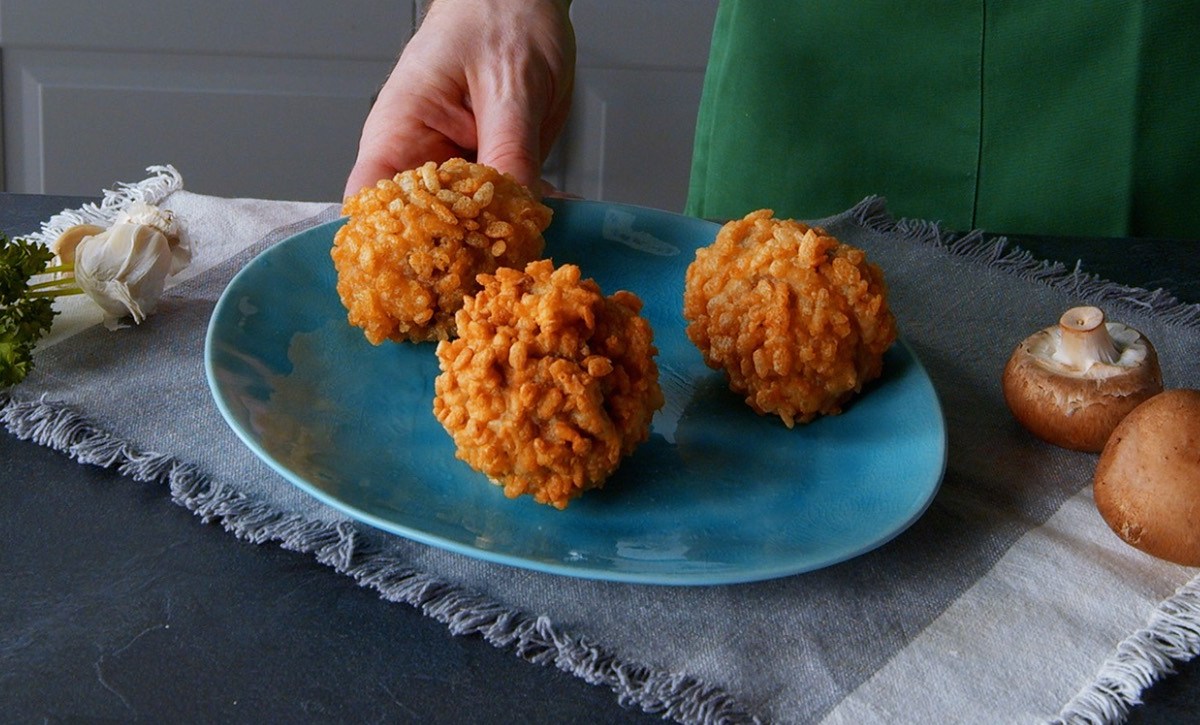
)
(798, 320)
(549, 384)
(413, 245)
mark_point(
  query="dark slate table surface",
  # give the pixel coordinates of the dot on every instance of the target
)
(117, 605)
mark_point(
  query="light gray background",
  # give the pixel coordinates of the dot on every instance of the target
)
(269, 103)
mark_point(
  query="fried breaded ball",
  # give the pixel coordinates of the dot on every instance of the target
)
(414, 244)
(797, 320)
(549, 384)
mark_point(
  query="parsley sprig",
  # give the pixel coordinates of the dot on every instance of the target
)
(26, 306)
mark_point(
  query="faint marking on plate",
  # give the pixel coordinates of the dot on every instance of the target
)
(618, 227)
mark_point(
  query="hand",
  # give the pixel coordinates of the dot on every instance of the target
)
(488, 80)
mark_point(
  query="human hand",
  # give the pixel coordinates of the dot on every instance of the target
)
(487, 80)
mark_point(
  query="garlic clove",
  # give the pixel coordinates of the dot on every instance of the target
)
(140, 212)
(64, 246)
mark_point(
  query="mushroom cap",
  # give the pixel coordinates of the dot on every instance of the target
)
(1147, 483)
(1075, 411)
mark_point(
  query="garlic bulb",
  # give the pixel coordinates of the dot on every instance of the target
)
(124, 269)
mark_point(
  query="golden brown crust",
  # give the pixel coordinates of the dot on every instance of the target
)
(549, 384)
(413, 245)
(1078, 413)
(1147, 481)
(798, 320)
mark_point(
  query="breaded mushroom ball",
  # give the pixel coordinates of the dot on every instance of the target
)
(549, 384)
(798, 320)
(413, 245)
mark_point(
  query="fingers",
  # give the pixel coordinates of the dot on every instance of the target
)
(365, 173)
(401, 150)
(404, 131)
(509, 139)
(520, 93)
(487, 80)
(547, 190)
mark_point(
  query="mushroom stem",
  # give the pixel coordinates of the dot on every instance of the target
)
(1085, 339)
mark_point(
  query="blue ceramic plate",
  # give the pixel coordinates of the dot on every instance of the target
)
(717, 495)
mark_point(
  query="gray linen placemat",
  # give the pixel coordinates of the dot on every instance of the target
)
(825, 645)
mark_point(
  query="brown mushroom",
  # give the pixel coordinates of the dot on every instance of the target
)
(1071, 384)
(1147, 482)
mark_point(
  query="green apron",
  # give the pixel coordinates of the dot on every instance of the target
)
(1025, 116)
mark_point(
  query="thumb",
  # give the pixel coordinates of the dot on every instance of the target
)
(365, 173)
(508, 140)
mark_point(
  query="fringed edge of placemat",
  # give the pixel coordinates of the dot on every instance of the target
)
(163, 180)
(998, 252)
(1172, 631)
(1171, 634)
(534, 638)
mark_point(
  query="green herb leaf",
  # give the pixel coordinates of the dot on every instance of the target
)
(25, 316)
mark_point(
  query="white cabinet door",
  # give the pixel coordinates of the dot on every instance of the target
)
(246, 99)
(269, 103)
(639, 74)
